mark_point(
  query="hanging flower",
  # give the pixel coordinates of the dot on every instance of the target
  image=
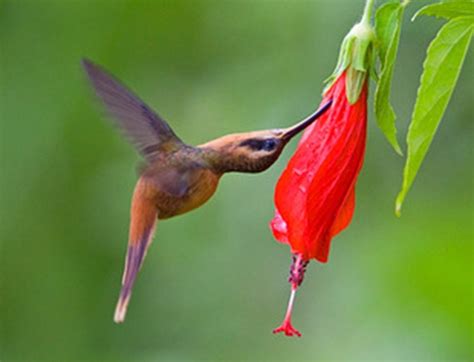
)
(315, 195)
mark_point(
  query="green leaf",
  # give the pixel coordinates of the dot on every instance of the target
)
(385, 25)
(448, 10)
(442, 66)
(388, 21)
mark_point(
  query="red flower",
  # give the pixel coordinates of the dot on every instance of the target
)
(314, 196)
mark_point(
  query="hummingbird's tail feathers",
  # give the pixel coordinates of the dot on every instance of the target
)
(144, 128)
(142, 227)
(133, 263)
(121, 308)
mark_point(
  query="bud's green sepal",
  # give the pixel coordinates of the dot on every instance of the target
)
(357, 56)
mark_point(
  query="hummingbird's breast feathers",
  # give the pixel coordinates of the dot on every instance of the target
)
(177, 190)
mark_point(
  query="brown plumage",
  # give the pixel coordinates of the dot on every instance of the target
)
(176, 178)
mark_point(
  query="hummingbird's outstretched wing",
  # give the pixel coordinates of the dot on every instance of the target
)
(145, 129)
(142, 226)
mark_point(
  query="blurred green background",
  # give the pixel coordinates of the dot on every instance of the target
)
(214, 283)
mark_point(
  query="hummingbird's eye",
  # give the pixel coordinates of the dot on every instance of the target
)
(268, 144)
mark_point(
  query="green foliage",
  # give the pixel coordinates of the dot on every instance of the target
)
(388, 21)
(441, 70)
(448, 10)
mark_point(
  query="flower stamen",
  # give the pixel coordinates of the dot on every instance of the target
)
(297, 270)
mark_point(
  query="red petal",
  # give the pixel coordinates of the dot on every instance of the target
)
(344, 216)
(279, 228)
(315, 194)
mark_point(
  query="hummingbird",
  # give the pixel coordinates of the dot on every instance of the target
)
(176, 177)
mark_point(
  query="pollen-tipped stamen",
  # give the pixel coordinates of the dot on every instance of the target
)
(297, 270)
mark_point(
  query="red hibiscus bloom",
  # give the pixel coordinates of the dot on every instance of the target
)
(315, 195)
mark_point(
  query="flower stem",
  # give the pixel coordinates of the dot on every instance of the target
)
(369, 4)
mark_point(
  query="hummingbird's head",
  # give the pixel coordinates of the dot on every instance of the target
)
(254, 151)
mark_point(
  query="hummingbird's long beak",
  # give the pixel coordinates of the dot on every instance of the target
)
(297, 128)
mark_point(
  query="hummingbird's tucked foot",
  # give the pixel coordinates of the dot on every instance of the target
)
(297, 270)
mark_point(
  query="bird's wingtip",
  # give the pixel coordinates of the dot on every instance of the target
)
(86, 62)
(89, 66)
